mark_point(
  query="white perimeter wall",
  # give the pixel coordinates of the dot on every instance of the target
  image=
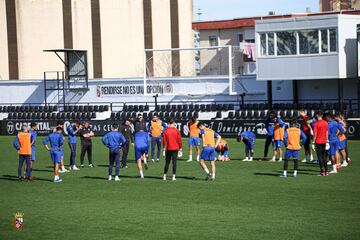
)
(15, 92)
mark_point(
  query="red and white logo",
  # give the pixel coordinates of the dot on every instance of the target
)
(19, 221)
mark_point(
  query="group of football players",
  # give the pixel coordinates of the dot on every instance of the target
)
(325, 135)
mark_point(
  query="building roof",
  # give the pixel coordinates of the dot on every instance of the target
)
(250, 21)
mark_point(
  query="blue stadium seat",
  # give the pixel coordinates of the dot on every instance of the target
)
(231, 115)
(197, 107)
(262, 106)
(145, 116)
(263, 114)
(243, 114)
(218, 114)
(183, 115)
(150, 116)
(250, 114)
(189, 115)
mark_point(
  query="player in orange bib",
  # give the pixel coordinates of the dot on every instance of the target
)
(223, 150)
(194, 139)
(22, 143)
(278, 138)
(208, 151)
(294, 139)
(156, 128)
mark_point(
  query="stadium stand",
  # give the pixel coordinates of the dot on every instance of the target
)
(248, 111)
(40, 112)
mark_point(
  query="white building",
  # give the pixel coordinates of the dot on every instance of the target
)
(307, 48)
(319, 47)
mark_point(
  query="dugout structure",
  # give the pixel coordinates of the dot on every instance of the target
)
(74, 78)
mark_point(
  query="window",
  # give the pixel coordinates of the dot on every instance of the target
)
(267, 44)
(213, 41)
(333, 40)
(271, 43)
(240, 38)
(263, 44)
(286, 43)
(250, 40)
(309, 41)
(324, 41)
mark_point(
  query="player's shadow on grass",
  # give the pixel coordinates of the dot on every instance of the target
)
(137, 177)
(16, 178)
(42, 170)
(101, 165)
(278, 173)
(309, 170)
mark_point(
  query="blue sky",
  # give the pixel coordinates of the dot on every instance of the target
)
(227, 9)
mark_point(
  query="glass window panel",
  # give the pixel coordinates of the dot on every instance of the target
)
(213, 41)
(263, 44)
(241, 38)
(324, 41)
(309, 41)
(333, 40)
(286, 43)
(271, 44)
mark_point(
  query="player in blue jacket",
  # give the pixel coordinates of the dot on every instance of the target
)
(269, 126)
(56, 140)
(72, 131)
(248, 138)
(32, 131)
(141, 145)
(114, 140)
(335, 129)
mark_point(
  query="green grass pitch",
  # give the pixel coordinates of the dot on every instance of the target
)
(247, 200)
